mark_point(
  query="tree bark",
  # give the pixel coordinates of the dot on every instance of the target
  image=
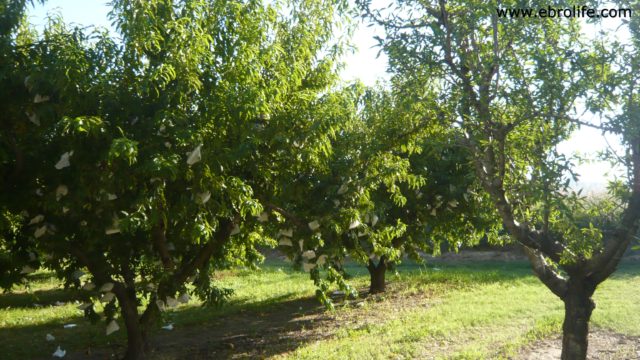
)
(137, 341)
(377, 273)
(578, 307)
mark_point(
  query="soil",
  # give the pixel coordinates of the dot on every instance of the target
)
(475, 255)
(258, 335)
(603, 345)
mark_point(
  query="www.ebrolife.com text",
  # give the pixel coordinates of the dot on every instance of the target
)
(555, 12)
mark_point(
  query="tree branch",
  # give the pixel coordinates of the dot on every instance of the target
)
(554, 281)
(160, 242)
(522, 233)
(289, 215)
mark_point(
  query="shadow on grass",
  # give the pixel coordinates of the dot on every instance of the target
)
(29, 342)
(40, 298)
(627, 269)
(251, 331)
(200, 333)
(254, 330)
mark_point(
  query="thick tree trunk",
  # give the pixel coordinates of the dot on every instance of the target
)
(377, 273)
(578, 307)
(137, 345)
(150, 315)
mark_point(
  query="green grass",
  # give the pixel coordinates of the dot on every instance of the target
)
(28, 315)
(458, 311)
(500, 309)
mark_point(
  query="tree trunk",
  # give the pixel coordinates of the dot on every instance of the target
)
(137, 345)
(377, 273)
(578, 307)
(150, 315)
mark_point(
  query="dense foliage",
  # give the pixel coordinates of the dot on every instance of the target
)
(394, 185)
(143, 159)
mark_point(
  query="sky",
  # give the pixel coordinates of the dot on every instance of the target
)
(365, 64)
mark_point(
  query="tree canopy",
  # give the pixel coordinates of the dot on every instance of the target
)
(390, 175)
(143, 158)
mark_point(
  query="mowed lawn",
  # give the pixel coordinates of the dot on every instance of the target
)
(469, 310)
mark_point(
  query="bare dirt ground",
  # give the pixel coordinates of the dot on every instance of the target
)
(603, 345)
(279, 330)
(258, 335)
(246, 334)
(476, 255)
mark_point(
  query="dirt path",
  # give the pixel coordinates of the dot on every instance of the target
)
(282, 329)
(257, 335)
(246, 334)
(603, 345)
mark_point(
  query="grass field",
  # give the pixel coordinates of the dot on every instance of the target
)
(455, 310)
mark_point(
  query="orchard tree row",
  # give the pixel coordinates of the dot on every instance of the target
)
(136, 163)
